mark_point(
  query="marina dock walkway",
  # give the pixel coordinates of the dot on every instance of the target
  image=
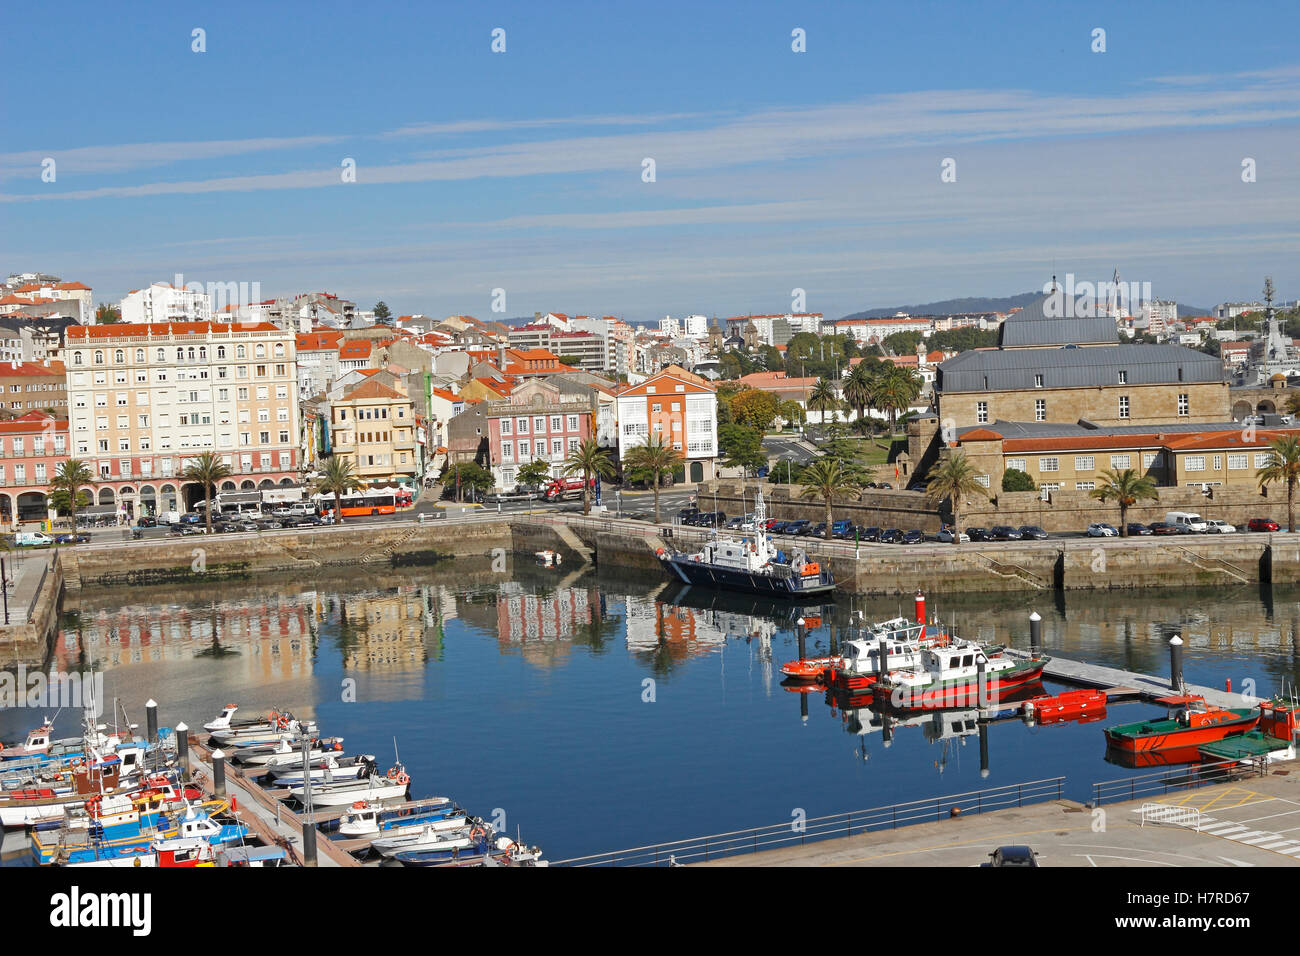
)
(269, 819)
(1254, 821)
(1127, 683)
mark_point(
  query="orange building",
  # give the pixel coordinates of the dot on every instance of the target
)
(678, 408)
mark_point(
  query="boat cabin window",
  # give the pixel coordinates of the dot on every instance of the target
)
(968, 660)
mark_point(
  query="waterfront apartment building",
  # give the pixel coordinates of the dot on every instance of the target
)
(678, 408)
(373, 425)
(31, 386)
(144, 399)
(31, 448)
(539, 421)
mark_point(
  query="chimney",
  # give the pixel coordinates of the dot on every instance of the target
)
(501, 356)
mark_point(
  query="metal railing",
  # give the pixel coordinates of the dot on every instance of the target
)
(791, 833)
(1174, 779)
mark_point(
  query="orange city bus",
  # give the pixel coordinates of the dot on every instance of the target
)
(360, 505)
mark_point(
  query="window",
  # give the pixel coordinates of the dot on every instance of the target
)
(1123, 406)
(982, 412)
(119, 357)
(1123, 377)
(507, 426)
(1261, 459)
(539, 425)
(1049, 464)
(1217, 463)
(76, 358)
(656, 407)
(1040, 409)
(1151, 458)
(1017, 463)
(1183, 404)
(557, 423)
(1084, 485)
(983, 480)
(1038, 381)
(573, 423)
(508, 451)
(1085, 463)
(557, 447)
(1120, 461)
(1046, 488)
(1195, 462)
(99, 357)
(1237, 462)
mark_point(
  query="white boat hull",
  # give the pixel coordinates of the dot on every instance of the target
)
(328, 795)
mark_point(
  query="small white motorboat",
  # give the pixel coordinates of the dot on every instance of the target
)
(394, 786)
(428, 839)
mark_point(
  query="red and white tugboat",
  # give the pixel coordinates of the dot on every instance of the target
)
(957, 674)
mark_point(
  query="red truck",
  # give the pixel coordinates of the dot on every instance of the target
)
(561, 489)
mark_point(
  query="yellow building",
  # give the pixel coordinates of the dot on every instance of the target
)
(373, 426)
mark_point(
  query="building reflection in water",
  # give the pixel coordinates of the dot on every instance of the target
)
(397, 630)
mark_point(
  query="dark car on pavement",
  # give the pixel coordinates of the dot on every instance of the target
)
(802, 526)
(687, 513)
(1012, 856)
(1137, 528)
(1003, 532)
(913, 537)
(1160, 528)
(818, 531)
(147, 522)
(892, 536)
(842, 529)
(870, 534)
(1031, 532)
(81, 538)
(978, 534)
(1262, 524)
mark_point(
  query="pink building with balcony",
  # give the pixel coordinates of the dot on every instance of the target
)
(31, 449)
(536, 422)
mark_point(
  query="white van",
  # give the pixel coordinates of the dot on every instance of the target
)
(169, 517)
(1187, 520)
(32, 539)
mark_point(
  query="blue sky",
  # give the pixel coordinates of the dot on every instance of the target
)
(774, 170)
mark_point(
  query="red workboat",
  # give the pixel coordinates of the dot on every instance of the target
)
(957, 674)
(811, 668)
(1077, 705)
(1191, 722)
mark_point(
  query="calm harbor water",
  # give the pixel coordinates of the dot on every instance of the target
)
(598, 712)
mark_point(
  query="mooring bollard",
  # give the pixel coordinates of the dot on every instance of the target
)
(218, 774)
(1035, 634)
(183, 750)
(1176, 662)
(151, 719)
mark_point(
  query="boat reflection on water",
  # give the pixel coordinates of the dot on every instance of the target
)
(1169, 757)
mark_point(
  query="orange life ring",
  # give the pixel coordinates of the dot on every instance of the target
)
(359, 805)
(403, 779)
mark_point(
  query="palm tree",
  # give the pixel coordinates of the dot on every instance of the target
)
(1283, 465)
(954, 478)
(1292, 405)
(897, 388)
(1126, 488)
(859, 388)
(207, 469)
(70, 477)
(823, 397)
(588, 459)
(337, 477)
(825, 479)
(657, 458)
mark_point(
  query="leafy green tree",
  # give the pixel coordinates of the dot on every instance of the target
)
(72, 477)
(771, 358)
(469, 474)
(954, 478)
(337, 477)
(62, 502)
(741, 446)
(1126, 488)
(792, 412)
(825, 479)
(902, 343)
(107, 314)
(588, 459)
(1283, 465)
(536, 472)
(653, 460)
(1013, 479)
(755, 409)
(382, 312)
(207, 469)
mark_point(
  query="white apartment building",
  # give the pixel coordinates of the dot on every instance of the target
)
(162, 302)
(144, 399)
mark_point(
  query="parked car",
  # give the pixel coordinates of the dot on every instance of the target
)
(71, 539)
(1160, 528)
(1136, 528)
(913, 537)
(687, 513)
(917, 486)
(1186, 519)
(870, 534)
(32, 539)
(1031, 532)
(978, 534)
(1218, 526)
(1003, 532)
(886, 485)
(945, 535)
(1099, 529)
(842, 529)
(892, 536)
(818, 531)
(772, 524)
(145, 521)
(191, 517)
(246, 525)
(801, 526)
(1262, 524)
(1012, 856)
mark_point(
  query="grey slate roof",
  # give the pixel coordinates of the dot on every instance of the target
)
(1037, 325)
(996, 370)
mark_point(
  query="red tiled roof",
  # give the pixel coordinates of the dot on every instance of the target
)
(126, 330)
(371, 389)
(31, 368)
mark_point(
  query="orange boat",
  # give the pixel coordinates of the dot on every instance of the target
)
(811, 668)
(1080, 705)
(1191, 722)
